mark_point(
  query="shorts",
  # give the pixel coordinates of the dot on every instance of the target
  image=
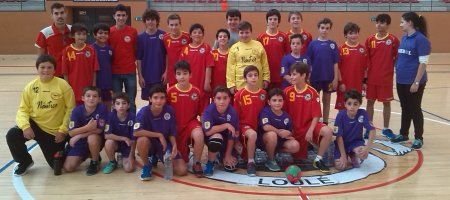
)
(81, 148)
(106, 95)
(380, 92)
(300, 137)
(325, 86)
(243, 129)
(145, 90)
(348, 148)
(184, 138)
(123, 148)
(260, 142)
(157, 149)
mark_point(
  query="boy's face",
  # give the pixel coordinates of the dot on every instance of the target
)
(121, 106)
(252, 78)
(91, 98)
(151, 24)
(182, 76)
(158, 100)
(222, 38)
(352, 106)
(295, 21)
(174, 26)
(324, 29)
(296, 45)
(222, 100)
(46, 71)
(121, 18)
(197, 35)
(272, 22)
(352, 37)
(80, 37)
(233, 22)
(381, 27)
(59, 16)
(245, 35)
(297, 78)
(276, 102)
(102, 36)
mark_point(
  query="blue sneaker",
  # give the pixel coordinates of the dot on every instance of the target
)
(399, 138)
(366, 134)
(146, 173)
(209, 169)
(388, 133)
(417, 144)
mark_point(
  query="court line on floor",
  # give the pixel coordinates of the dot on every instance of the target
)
(5, 166)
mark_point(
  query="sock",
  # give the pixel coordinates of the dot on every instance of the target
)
(385, 128)
(251, 160)
(318, 158)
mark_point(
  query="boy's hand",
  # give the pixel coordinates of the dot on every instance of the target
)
(28, 133)
(364, 152)
(334, 84)
(414, 88)
(284, 133)
(92, 124)
(308, 136)
(141, 81)
(341, 162)
(231, 129)
(128, 141)
(233, 90)
(207, 87)
(164, 78)
(59, 137)
(74, 140)
(163, 142)
(265, 84)
(229, 160)
(342, 87)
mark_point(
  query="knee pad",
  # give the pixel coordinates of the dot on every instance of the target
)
(215, 144)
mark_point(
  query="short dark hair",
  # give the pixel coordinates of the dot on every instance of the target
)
(275, 92)
(196, 26)
(250, 68)
(273, 12)
(245, 25)
(91, 88)
(325, 20)
(150, 14)
(182, 65)
(351, 28)
(78, 27)
(174, 16)
(296, 35)
(353, 94)
(294, 13)
(383, 18)
(233, 13)
(120, 7)
(45, 58)
(223, 89)
(158, 88)
(56, 5)
(222, 30)
(121, 95)
(300, 68)
(100, 26)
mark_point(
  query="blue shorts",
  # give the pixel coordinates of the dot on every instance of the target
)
(260, 142)
(348, 148)
(81, 149)
(146, 89)
(105, 94)
(157, 149)
(325, 86)
(123, 148)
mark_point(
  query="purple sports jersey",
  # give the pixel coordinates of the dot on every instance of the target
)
(120, 128)
(164, 123)
(351, 129)
(211, 117)
(268, 117)
(152, 54)
(286, 63)
(104, 74)
(323, 55)
(80, 118)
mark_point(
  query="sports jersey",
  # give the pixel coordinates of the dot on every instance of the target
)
(164, 122)
(248, 105)
(199, 58)
(276, 47)
(323, 54)
(241, 55)
(219, 71)
(104, 74)
(174, 48)
(268, 117)
(123, 42)
(302, 106)
(49, 104)
(79, 65)
(185, 103)
(351, 129)
(53, 42)
(120, 128)
(80, 117)
(152, 54)
(382, 54)
(307, 38)
(352, 65)
(211, 117)
(286, 63)
(409, 51)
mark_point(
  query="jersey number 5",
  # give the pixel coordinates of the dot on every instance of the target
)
(173, 97)
(247, 99)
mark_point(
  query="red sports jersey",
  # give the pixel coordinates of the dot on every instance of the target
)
(174, 48)
(123, 43)
(248, 106)
(79, 65)
(53, 42)
(382, 54)
(276, 47)
(307, 38)
(185, 103)
(219, 71)
(199, 58)
(352, 65)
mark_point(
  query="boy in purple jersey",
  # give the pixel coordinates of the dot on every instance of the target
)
(104, 57)
(151, 53)
(324, 55)
(220, 124)
(119, 134)
(348, 129)
(296, 42)
(155, 129)
(85, 129)
(275, 125)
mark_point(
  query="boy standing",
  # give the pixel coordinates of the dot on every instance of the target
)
(296, 41)
(233, 18)
(220, 55)
(295, 20)
(104, 57)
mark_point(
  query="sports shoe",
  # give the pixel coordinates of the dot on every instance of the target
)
(22, 168)
(388, 133)
(366, 134)
(399, 138)
(321, 166)
(93, 168)
(251, 169)
(197, 169)
(272, 165)
(154, 160)
(356, 162)
(417, 144)
(209, 169)
(146, 173)
(110, 167)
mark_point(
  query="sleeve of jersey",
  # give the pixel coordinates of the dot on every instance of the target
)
(95, 60)
(40, 41)
(338, 128)
(287, 45)
(23, 114)
(237, 102)
(231, 68)
(135, 35)
(395, 45)
(74, 121)
(235, 120)
(336, 54)
(423, 47)
(284, 67)
(264, 118)
(289, 125)
(207, 122)
(109, 122)
(140, 121)
(69, 100)
(139, 49)
(264, 65)
(316, 111)
(101, 121)
(130, 130)
(209, 57)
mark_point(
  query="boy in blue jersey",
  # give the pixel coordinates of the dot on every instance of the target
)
(348, 129)
(151, 53)
(86, 131)
(275, 125)
(324, 55)
(220, 124)
(155, 129)
(296, 42)
(104, 57)
(119, 134)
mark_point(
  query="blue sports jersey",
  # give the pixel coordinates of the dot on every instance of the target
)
(351, 129)
(268, 117)
(211, 117)
(286, 63)
(120, 128)
(80, 117)
(104, 74)
(411, 47)
(323, 55)
(164, 123)
(152, 54)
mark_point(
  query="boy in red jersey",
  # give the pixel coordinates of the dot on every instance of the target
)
(352, 65)
(79, 62)
(303, 105)
(382, 52)
(248, 103)
(295, 20)
(276, 44)
(185, 100)
(175, 41)
(220, 59)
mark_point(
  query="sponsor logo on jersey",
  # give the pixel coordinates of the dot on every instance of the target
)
(166, 116)
(127, 39)
(55, 95)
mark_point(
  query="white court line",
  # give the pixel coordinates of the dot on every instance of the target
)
(18, 183)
